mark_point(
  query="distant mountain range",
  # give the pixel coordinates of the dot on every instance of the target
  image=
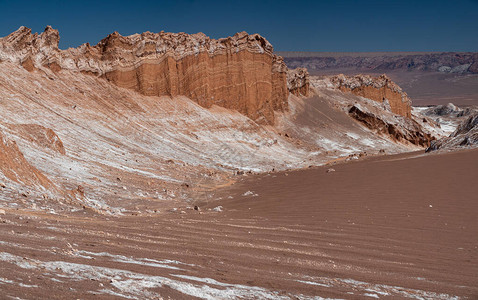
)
(445, 62)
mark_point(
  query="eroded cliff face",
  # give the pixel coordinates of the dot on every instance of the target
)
(298, 82)
(381, 89)
(404, 130)
(239, 72)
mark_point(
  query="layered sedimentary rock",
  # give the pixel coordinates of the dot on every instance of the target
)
(298, 82)
(381, 89)
(239, 72)
(400, 130)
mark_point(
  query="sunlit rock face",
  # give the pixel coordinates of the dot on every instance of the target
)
(239, 72)
(380, 89)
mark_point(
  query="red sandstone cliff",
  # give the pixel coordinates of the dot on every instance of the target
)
(380, 89)
(239, 72)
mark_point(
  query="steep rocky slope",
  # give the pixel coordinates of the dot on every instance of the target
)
(239, 72)
(446, 117)
(81, 130)
(114, 149)
(390, 116)
(381, 89)
(298, 82)
(466, 135)
(118, 150)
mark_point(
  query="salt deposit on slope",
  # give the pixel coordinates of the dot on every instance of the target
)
(136, 285)
(125, 152)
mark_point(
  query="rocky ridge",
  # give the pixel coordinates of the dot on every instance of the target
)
(381, 89)
(381, 106)
(465, 136)
(399, 129)
(119, 150)
(239, 72)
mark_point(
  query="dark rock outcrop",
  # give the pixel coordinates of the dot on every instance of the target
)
(400, 129)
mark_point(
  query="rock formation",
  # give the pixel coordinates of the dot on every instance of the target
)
(466, 135)
(298, 82)
(401, 130)
(381, 89)
(99, 144)
(239, 72)
(448, 110)
(15, 167)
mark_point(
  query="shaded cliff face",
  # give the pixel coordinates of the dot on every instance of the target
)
(398, 130)
(381, 89)
(239, 72)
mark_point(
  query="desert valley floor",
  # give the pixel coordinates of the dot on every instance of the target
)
(176, 166)
(387, 227)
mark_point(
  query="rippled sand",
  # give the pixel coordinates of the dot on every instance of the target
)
(401, 226)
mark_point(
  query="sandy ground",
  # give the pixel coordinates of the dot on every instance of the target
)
(402, 226)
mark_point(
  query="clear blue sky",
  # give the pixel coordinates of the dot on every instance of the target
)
(341, 25)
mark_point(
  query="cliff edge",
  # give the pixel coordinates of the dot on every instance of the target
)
(381, 89)
(239, 72)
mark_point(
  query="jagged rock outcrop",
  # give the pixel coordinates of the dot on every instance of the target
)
(381, 89)
(298, 82)
(466, 135)
(400, 129)
(239, 72)
(448, 110)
